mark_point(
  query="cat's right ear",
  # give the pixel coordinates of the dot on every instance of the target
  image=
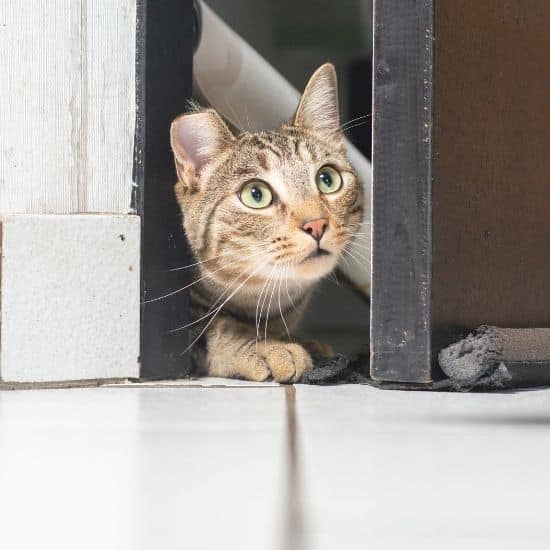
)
(318, 107)
(196, 139)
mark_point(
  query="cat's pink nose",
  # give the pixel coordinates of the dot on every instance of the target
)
(316, 228)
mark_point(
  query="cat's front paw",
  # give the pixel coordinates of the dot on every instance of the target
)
(286, 361)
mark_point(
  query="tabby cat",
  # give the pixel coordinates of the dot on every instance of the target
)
(267, 216)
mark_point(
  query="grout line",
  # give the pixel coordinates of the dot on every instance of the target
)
(64, 385)
(119, 383)
(294, 535)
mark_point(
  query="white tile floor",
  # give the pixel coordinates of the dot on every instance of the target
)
(183, 466)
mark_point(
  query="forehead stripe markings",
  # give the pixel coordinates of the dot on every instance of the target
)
(244, 171)
(263, 144)
(262, 159)
(312, 152)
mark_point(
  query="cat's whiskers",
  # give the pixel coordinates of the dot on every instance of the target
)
(290, 264)
(258, 248)
(280, 309)
(271, 287)
(354, 233)
(354, 126)
(355, 224)
(223, 304)
(201, 278)
(174, 292)
(212, 308)
(344, 125)
(247, 119)
(347, 248)
(280, 271)
(210, 311)
(259, 318)
(228, 253)
(264, 255)
(351, 255)
(341, 256)
(269, 305)
(365, 248)
(361, 233)
(357, 245)
(226, 289)
(332, 278)
(238, 121)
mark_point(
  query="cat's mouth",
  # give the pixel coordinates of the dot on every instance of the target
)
(316, 254)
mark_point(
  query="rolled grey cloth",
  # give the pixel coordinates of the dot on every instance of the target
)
(495, 352)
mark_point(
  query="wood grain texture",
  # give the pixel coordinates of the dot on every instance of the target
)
(401, 271)
(491, 194)
(111, 102)
(67, 106)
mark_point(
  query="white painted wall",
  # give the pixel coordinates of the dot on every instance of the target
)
(67, 105)
(69, 297)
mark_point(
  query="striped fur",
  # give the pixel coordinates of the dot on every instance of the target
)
(254, 261)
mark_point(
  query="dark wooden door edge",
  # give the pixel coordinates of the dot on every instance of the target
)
(402, 179)
(164, 54)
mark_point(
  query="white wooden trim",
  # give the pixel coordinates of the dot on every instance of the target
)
(67, 105)
(70, 295)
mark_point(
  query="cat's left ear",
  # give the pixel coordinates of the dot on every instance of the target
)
(318, 107)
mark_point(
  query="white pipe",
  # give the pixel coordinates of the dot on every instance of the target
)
(244, 88)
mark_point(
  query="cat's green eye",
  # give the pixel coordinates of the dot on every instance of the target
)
(328, 179)
(256, 194)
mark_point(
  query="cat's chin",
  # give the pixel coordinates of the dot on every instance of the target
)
(316, 265)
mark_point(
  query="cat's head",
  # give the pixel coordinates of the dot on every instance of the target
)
(267, 203)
